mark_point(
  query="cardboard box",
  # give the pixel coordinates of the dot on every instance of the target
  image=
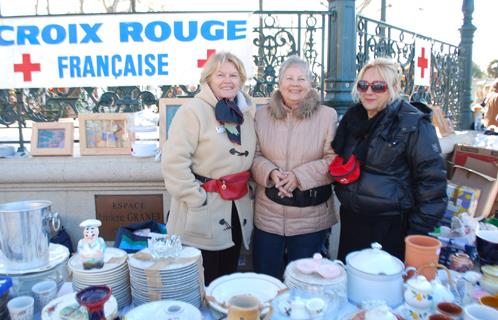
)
(479, 175)
(462, 152)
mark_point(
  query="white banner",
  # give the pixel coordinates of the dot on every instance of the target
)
(117, 50)
(422, 63)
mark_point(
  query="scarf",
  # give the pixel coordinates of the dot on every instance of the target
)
(356, 123)
(228, 114)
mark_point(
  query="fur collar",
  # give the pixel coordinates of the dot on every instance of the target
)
(279, 111)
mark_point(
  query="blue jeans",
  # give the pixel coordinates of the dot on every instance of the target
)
(271, 252)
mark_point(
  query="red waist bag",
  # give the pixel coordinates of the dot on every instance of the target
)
(230, 187)
(345, 173)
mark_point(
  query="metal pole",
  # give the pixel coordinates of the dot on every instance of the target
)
(341, 60)
(20, 119)
(383, 18)
(383, 11)
(467, 39)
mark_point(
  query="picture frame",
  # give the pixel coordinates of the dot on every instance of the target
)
(443, 127)
(52, 139)
(167, 110)
(169, 106)
(104, 134)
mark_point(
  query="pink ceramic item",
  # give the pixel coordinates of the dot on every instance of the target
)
(315, 265)
(306, 266)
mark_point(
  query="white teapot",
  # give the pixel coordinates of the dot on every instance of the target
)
(418, 292)
(441, 293)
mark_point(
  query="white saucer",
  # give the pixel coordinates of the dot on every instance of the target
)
(120, 256)
(57, 254)
(261, 286)
(52, 311)
(144, 154)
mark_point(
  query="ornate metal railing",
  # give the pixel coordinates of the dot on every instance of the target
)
(279, 34)
(380, 39)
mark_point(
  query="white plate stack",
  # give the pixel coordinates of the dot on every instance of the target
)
(175, 278)
(294, 278)
(114, 274)
(265, 288)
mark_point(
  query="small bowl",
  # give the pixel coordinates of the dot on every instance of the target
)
(490, 301)
(487, 246)
(452, 310)
(439, 316)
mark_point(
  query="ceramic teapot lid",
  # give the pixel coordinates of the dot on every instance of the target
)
(420, 283)
(375, 261)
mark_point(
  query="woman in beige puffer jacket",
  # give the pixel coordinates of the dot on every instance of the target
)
(294, 134)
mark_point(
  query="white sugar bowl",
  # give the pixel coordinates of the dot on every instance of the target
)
(380, 313)
(418, 292)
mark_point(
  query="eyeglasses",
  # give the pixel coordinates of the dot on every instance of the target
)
(377, 86)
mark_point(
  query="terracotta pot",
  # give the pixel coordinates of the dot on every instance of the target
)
(422, 250)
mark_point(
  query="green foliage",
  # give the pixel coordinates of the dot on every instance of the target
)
(477, 72)
(493, 69)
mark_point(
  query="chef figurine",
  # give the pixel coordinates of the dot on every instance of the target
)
(92, 247)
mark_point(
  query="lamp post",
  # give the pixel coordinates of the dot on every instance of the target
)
(467, 39)
(341, 60)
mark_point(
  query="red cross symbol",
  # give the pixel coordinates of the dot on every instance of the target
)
(422, 63)
(202, 62)
(26, 67)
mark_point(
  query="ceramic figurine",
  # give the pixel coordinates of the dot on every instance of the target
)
(92, 247)
(418, 297)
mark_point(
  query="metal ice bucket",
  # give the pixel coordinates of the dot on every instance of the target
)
(24, 233)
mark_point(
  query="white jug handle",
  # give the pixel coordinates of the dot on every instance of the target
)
(265, 307)
(405, 273)
(339, 262)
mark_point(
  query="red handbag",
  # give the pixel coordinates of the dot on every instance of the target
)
(345, 173)
(230, 187)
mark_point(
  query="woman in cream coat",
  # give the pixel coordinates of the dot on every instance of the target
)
(211, 136)
(294, 207)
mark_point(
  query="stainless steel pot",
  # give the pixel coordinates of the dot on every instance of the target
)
(25, 227)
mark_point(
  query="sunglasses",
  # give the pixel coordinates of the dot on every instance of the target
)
(377, 86)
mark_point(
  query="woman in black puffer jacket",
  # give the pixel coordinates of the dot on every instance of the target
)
(402, 185)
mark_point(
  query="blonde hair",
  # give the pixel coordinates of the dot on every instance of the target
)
(389, 72)
(216, 60)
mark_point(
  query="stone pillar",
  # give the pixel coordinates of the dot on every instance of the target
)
(467, 39)
(341, 60)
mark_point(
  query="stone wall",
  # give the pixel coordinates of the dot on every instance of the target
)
(71, 183)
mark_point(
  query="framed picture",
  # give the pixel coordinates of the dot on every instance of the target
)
(169, 106)
(52, 139)
(104, 133)
(167, 110)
